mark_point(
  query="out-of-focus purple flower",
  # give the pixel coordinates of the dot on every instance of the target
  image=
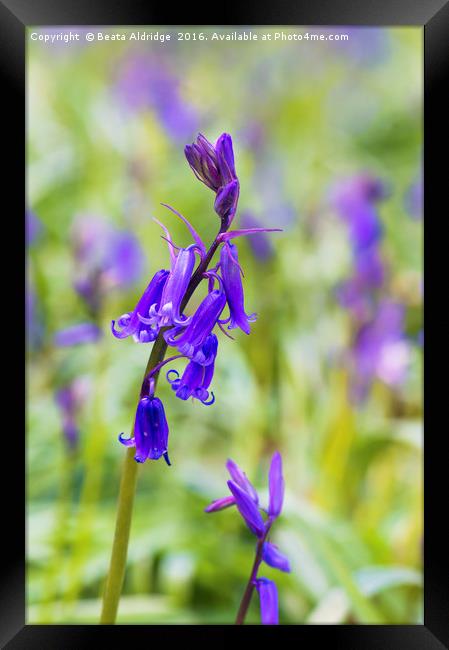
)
(150, 431)
(414, 199)
(254, 136)
(272, 556)
(260, 244)
(380, 350)
(70, 399)
(34, 321)
(214, 166)
(355, 200)
(268, 595)
(77, 334)
(232, 281)
(33, 227)
(146, 83)
(138, 323)
(356, 293)
(106, 258)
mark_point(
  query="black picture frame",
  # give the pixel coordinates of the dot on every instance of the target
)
(433, 16)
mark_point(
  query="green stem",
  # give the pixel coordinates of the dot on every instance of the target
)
(128, 484)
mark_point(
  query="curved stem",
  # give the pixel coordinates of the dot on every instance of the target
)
(117, 567)
(252, 578)
(250, 586)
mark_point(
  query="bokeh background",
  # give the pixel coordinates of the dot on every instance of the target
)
(328, 142)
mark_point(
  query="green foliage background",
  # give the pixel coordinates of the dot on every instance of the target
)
(352, 524)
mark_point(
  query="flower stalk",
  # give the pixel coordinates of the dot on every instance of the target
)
(247, 595)
(117, 567)
(158, 317)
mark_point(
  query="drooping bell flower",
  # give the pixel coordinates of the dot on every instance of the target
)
(214, 166)
(272, 556)
(150, 431)
(194, 336)
(194, 382)
(232, 282)
(168, 312)
(268, 595)
(206, 354)
(137, 323)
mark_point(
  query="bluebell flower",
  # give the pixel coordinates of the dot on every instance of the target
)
(194, 382)
(191, 339)
(245, 498)
(272, 556)
(138, 323)
(239, 477)
(168, 311)
(150, 431)
(205, 355)
(248, 509)
(232, 282)
(268, 596)
(276, 486)
(214, 166)
(159, 312)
